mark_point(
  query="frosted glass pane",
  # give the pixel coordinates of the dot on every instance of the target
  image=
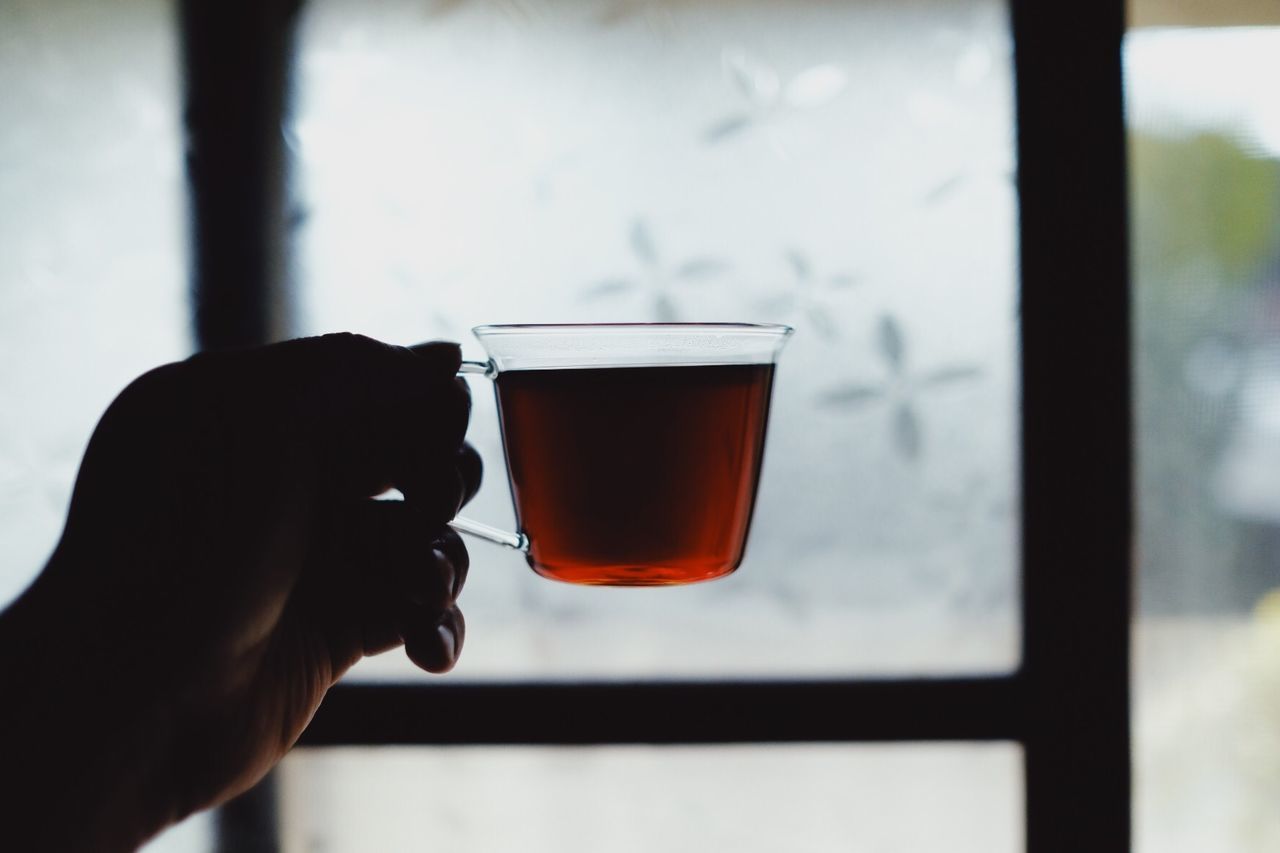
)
(92, 284)
(193, 835)
(1204, 133)
(809, 799)
(843, 167)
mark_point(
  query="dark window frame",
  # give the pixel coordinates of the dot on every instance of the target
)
(1067, 704)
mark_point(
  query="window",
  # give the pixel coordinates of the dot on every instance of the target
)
(720, 161)
(1059, 690)
(569, 147)
(1205, 166)
(811, 797)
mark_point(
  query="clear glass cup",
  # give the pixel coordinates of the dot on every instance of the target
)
(633, 450)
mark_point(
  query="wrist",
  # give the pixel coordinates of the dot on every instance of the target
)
(75, 756)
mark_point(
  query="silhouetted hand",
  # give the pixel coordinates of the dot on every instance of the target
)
(222, 565)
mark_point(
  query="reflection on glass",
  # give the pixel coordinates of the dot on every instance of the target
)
(845, 168)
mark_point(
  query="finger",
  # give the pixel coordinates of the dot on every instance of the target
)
(452, 546)
(421, 436)
(434, 645)
(407, 439)
(437, 495)
(380, 562)
(444, 488)
(445, 356)
(375, 414)
(471, 467)
(395, 550)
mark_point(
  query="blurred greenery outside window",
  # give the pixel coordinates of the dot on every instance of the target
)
(1204, 159)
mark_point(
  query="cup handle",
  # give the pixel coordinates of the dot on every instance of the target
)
(480, 530)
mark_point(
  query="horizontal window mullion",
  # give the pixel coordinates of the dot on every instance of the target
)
(668, 712)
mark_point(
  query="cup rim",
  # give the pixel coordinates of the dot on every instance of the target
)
(765, 329)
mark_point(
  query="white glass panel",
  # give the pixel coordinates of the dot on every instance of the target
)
(844, 167)
(1205, 163)
(194, 835)
(957, 798)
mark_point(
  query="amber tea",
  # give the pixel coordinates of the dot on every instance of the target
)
(636, 476)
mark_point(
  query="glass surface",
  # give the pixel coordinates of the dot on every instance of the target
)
(1204, 137)
(844, 168)
(92, 278)
(958, 798)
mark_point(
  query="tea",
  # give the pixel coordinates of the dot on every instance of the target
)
(635, 476)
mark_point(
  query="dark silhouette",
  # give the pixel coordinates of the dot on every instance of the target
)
(221, 566)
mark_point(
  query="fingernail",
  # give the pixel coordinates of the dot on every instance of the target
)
(446, 351)
(446, 575)
(448, 641)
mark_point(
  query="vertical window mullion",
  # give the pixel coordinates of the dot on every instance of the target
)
(1076, 441)
(236, 62)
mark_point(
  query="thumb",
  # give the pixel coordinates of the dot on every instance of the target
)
(443, 355)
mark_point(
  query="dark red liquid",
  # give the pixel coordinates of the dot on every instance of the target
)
(635, 476)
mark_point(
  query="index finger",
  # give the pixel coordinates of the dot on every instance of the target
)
(372, 415)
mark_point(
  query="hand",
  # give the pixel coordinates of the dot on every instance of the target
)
(222, 565)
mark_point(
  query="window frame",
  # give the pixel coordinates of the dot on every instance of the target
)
(1067, 703)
